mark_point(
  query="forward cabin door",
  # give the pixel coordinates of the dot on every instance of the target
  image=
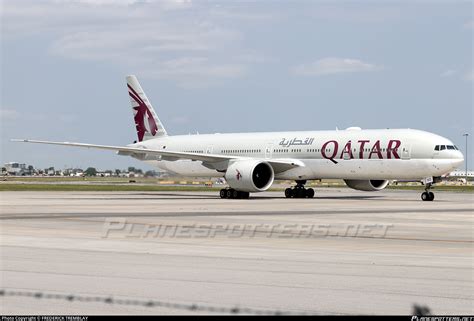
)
(406, 152)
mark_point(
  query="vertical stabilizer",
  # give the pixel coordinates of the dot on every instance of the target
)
(146, 121)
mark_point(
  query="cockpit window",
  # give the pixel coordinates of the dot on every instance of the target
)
(456, 148)
(443, 147)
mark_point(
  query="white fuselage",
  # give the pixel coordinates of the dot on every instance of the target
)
(344, 154)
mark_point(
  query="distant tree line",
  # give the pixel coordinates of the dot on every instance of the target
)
(29, 170)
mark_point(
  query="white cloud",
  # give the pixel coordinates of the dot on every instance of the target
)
(199, 67)
(169, 4)
(142, 40)
(232, 12)
(469, 25)
(469, 76)
(255, 57)
(8, 114)
(196, 72)
(174, 38)
(448, 73)
(356, 13)
(99, 2)
(332, 65)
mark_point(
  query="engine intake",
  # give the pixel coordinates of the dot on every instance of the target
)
(366, 185)
(250, 175)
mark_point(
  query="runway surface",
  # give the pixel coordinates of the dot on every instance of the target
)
(343, 252)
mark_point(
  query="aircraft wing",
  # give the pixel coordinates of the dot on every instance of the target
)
(279, 165)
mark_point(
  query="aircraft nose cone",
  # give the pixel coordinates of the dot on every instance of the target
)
(458, 159)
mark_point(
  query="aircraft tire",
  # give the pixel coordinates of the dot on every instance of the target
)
(223, 193)
(236, 194)
(300, 192)
(424, 196)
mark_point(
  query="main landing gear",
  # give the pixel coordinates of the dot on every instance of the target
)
(299, 191)
(232, 193)
(427, 195)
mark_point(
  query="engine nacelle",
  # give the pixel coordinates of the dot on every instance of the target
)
(367, 185)
(250, 175)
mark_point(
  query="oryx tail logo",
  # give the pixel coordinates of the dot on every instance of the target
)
(238, 175)
(142, 113)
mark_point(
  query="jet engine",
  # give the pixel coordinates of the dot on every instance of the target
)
(367, 185)
(250, 175)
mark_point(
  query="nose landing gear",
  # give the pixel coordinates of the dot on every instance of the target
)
(427, 195)
(299, 191)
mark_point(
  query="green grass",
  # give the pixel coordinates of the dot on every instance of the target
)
(52, 179)
(451, 188)
(100, 188)
(52, 186)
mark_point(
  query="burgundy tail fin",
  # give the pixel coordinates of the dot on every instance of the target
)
(146, 121)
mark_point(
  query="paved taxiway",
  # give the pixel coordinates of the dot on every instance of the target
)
(342, 252)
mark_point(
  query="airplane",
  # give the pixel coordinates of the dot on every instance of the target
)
(460, 173)
(250, 162)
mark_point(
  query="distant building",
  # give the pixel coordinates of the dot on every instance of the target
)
(134, 174)
(77, 172)
(14, 168)
(103, 174)
(20, 169)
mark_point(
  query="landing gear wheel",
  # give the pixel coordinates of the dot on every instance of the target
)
(427, 196)
(223, 193)
(424, 196)
(235, 194)
(231, 193)
(299, 191)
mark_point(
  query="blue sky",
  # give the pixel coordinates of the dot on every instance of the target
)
(215, 66)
